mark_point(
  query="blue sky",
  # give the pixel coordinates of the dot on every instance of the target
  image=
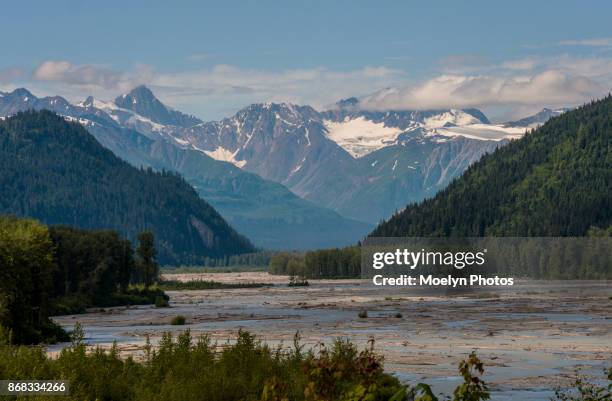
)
(212, 58)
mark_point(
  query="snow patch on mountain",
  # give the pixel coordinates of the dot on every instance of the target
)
(225, 155)
(360, 136)
(451, 117)
(83, 121)
(483, 132)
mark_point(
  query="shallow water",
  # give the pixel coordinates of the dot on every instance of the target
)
(531, 337)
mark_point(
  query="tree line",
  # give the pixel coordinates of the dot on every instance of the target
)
(560, 258)
(322, 263)
(59, 269)
(259, 258)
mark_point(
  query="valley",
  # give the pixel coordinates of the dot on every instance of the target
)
(306, 201)
(531, 338)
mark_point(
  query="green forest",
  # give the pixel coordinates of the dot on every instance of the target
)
(555, 181)
(55, 171)
(59, 270)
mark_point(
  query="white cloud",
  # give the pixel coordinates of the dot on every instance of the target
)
(549, 87)
(600, 42)
(88, 76)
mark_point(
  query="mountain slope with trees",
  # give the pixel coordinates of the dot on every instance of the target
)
(555, 181)
(55, 171)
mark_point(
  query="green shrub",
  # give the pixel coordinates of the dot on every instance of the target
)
(178, 320)
(583, 390)
(182, 369)
(363, 314)
(161, 302)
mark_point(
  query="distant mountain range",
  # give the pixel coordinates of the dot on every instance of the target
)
(364, 165)
(290, 176)
(57, 172)
(265, 211)
(555, 181)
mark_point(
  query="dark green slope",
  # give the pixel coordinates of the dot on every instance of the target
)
(57, 172)
(555, 181)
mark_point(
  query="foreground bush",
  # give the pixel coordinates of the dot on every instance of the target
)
(583, 390)
(184, 369)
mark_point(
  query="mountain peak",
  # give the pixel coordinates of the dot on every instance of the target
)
(348, 103)
(89, 102)
(141, 93)
(273, 105)
(537, 119)
(141, 100)
(22, 92)
(478, 114)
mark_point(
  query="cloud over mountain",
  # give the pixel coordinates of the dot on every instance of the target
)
(547, 87)
(66, 72)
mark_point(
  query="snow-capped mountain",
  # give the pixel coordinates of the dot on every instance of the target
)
(361, 133)
(265, 211)
(362, 164)
(143, 103)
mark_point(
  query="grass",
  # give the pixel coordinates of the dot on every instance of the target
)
(175, 285)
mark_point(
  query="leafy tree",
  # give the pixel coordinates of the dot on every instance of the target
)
(26, 269)
(147, 263)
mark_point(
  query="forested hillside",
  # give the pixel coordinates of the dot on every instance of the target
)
(55, 171)
(555, 181)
